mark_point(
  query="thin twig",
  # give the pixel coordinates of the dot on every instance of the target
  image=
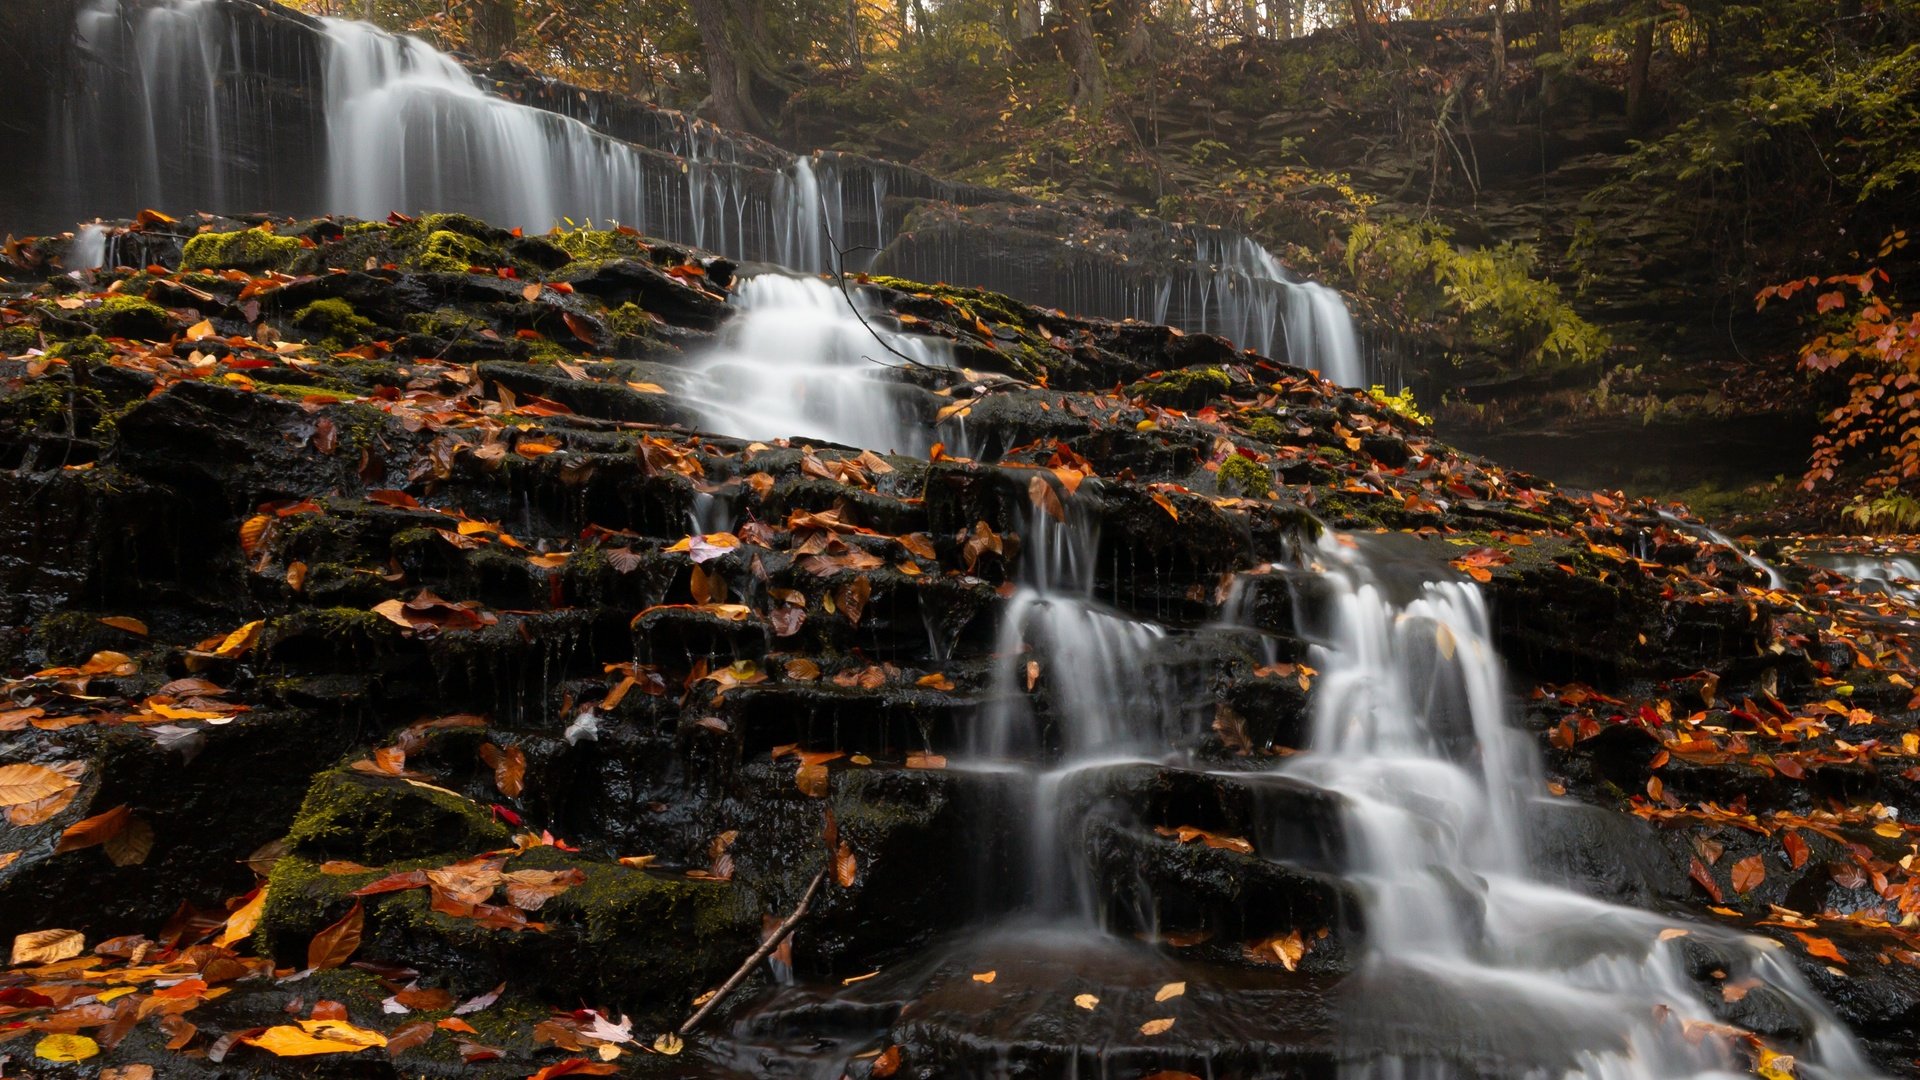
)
(766, 947)
(840, 278)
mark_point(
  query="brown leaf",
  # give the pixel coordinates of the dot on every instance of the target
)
(845, 866)
(1748, 873)
(1157, 1027)
(1698, 872)
(335, 945)
(1044, 498)
(509, 768)
(25, 783)
(853, 596)
(813, 780)
(97, 829)
(131, 845)
(886, 1064)
(1796, 848)
(409, 1037)
(48, 946)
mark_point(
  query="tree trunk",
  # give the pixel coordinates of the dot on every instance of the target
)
(1549, 25)
(1499, 51)
(729, 80)
(1639, 65)
(490, 30)
(1250, 19)
(1026, 17)
(1083, 56)
(853, 36)
(1363, 25)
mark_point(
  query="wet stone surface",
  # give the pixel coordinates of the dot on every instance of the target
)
(354, 570)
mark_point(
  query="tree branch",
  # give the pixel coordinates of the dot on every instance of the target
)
(766, 948)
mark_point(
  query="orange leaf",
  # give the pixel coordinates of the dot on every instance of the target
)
(333, 946)
(845, 867)
(123, 622)
(576, 1067)
(97, 829)
(1821, 947)
(1748, 873)
(509, 768)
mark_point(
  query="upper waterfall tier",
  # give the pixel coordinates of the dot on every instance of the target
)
(236, 106)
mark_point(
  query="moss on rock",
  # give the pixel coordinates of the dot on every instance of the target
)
(245, 249)
(369, 819)
(131, 317)
(1241, 475)
(1187, 389)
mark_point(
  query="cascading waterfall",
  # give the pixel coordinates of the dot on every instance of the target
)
(799, 362)
(1103, 700)
(1897, 575)
(1706, 532)
(196, 88)
(1410, 728)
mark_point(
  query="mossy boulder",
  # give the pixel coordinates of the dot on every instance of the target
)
(335, 318)
(1241, 475)
(374, 819)
(1187, 389)
(641, 941)
(131, 317)
(244, 249)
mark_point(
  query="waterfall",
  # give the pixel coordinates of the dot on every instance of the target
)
(799, 362)
(1410, 729)
(1895, 575)
(225, 107)
(1706, 532)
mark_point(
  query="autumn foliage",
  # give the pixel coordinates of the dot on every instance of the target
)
(1875, 344)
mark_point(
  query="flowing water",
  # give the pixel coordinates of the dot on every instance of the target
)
(183, 106)
(1774, 578)
(1410, 728)
(799, 361)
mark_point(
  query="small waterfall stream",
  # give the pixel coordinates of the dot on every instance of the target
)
(1410, 728)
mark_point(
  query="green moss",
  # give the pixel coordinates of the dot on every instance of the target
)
(452, 252)
(1244, 476)
(336, 319)
(445, 323)
(597, 245)
(246, 249)
(974, 302)
(348, 815)
(1188, 388)
(15, 340)
(1266, 428)
(630, 320)
(126, 316)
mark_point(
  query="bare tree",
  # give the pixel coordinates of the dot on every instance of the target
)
(1082, 51)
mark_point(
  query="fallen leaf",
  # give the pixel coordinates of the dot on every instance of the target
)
(845, 866)
(98, 829)
(132, 845)
(1821, 947)
(48, 946)
(27, 783)
(66, 1048)
(1086, 1001)
(509, 767)
(243, 920)
(1157, 1027)
(1171, 990)
(985, 976)
(1748, 873)
(336, 944)
(123, 622)
(316, 1037)
(1045, 499)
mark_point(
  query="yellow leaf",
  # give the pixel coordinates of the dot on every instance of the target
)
(1887, 829)
(985, 976)
(646, 388)
(47, 946)
(1171, 990)
(28, 783)
(1166, 504)
(66, 1048)
(316, 1037)
(240, 640)
(1157, 1027)
(668, 1044)
(199, 330)
(1673, 932)
(242, 921)
(1086, 1001)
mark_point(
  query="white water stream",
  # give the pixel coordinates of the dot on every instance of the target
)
(1410, 728)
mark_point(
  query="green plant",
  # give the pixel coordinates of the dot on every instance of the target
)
(1401, 403)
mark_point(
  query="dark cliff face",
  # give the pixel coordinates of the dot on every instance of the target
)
(363, 553)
